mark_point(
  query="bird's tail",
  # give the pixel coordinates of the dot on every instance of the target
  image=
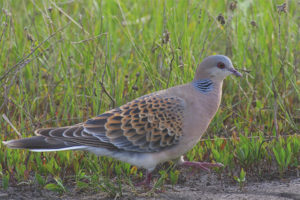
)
(40, 144)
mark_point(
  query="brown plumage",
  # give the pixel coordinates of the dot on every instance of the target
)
(149, 130)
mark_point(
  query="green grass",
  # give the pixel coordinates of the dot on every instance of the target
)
(65, 61)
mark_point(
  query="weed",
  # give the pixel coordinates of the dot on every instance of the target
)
(174, 176)
(241, 179)
(5, 180)
(61, 68)
(57, 187)
(250, 151)
(283, 153)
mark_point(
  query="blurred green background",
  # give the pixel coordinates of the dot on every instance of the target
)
(62, 62)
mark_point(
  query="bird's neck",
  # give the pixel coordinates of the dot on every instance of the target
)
(204, 85)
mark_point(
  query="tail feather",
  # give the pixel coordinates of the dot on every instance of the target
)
(40, 143)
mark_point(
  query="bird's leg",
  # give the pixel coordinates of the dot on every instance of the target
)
(202, 165)
(146, 181)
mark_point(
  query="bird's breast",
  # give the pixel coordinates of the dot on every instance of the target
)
(199, 111)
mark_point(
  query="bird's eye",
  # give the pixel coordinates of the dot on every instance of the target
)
(221, 65)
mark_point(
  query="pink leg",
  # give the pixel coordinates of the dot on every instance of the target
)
(203, 165)
(146, 181)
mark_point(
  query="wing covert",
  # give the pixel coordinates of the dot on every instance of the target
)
(147, 124)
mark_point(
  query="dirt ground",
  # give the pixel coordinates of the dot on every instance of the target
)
(191, 187)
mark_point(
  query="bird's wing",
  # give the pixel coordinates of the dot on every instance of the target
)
(148, 124)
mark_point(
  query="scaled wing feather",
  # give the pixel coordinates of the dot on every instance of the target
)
(148, 124)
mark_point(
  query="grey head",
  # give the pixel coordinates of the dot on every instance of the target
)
(215, 68)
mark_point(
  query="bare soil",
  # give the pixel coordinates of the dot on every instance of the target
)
(199, 185)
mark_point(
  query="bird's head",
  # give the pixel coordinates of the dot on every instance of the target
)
(216, 68)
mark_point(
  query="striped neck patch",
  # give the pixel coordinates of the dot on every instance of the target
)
(203, 85)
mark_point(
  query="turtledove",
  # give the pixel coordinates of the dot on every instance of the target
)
(149, 130)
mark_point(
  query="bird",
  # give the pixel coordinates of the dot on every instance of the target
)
(149, 130)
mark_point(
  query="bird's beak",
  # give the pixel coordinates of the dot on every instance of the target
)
(235, 72)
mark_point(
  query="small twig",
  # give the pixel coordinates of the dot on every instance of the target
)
(97, 36)
(69, 17)
(7, 120)
(275, 109)
(104, 72)
(5, 24)
(245, 70)
(105, 91)
(24, 59)
(275, 94)
(249, 137)
(171, 66)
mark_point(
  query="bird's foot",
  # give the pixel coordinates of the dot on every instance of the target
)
(146, 181)
(202, 165)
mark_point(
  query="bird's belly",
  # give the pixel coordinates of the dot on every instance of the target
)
(144, 160)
